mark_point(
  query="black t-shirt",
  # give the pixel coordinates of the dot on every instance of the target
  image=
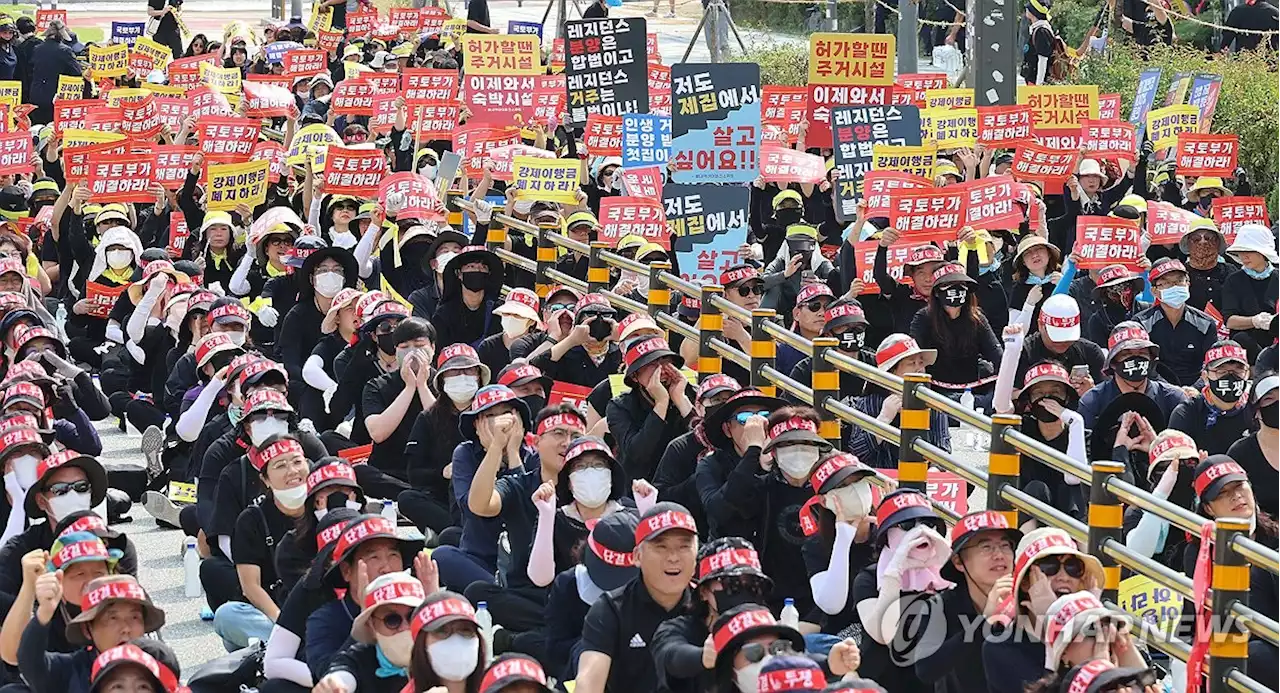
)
(1192, 417)
(520, 517)
(238, 486)
(478, 11)
(1206, 285)
(956, 665)
(621, 624)
(167, 23)
(877, 662)
(578, 368)
(1247, 452)
(378, 395)
(259, 529)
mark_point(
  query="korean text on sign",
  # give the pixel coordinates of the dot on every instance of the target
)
(633, 216)
(1165, 124)
(855, 131)
(606, 69)
(498, 54)
(927, 215)
(353, 172)
(715, 124)
(1060, 107)
(234, 184)
(1232, 212)
(121, 178)
(1048, 167)
(780, 164)
(1109, 139)
(989, 203)
(1003, 125)
(878, 187)
(1102, 241)
(1167, 223)
(918, 161)
(1207, 155)
(546, 180)
(851, 59)
(646, 140)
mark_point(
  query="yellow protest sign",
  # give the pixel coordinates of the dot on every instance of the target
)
(74, 137)
(111, 60)
(234, 184)
(351, 70)
(70, 88)
(1164, 124)
(225, 80)
(952, 128)
(180, 492)
(115, 96)
(1149, 601)
(164, 89)
(321, 19)
(501, 54)
(865, 59)
(1059, 107)
(452, 29)
(11, 92)
(918, 161)
(948, 98)
(546, 180)
(314, 134)
(160, 54)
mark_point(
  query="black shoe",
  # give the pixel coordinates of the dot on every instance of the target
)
(118, 505)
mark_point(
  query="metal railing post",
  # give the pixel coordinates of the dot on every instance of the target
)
(597, 270)
(710, 324)
(546, 258)
(496, 239)
(659, 294)
(1003, 467)
(1106, 518)
(1229, 643)
(913, 469)
(826, 386)
(763, 351)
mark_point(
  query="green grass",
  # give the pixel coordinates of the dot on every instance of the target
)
(86, 34)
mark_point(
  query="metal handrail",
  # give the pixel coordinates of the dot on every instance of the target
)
(794, 387)
(1257, 554)
(730, 352)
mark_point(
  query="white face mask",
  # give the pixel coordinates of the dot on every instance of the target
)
(351, 504)
(291, 498)
(796, 461)
(344, 239)
(855, 500)
(454, 658)
(24, 469)
(591, 487)
(237, 338)
(67, 503)
(119, 259)
(398, 648)
(428, 170)
(442, 260)
(747, 678)
(329, 284)
(513, 326)
(460, 388)
(523, 206)
(261, 430)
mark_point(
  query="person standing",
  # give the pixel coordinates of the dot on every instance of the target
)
(50, 59)
(164, 13)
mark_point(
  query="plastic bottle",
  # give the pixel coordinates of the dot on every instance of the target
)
(389, 511)
(966, 400)
(790, 614)
(191, 568)
(967, 439)
(61, 317)
(485, 621)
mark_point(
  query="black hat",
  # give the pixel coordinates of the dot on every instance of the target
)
(901, 506)
(469, 254)
(361, 530)
(486, 398)
(729, 557)
(518, 374)
(1213, 474)
(582, 446)
(608, 558)
(328, 529)
(1100, 674)
(151, 654)
(350, 268)
(13, 203)
(1102, 439)
(733, 628)
(713, 425)
(512, 668)
(643, 351)
(446, 235)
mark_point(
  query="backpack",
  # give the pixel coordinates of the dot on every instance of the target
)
(1060, 66)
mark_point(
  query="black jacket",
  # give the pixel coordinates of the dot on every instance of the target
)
(641, 436)
(49, 60)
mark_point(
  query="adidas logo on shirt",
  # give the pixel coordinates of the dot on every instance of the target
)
(637, 641)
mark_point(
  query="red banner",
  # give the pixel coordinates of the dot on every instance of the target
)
(1109, 107)
(549, 99)
(422, 85)
(785, 165)
(361, 22)
(946, 489)
(75, 160)
(502, 158)
(989, 203)
(433, 121)
(1231, 213)
(634, 216)
(1102, 241)
(407, 19)
(1167, 223)
(353, 97)
(1004, 125)
(70, 115)
(384, 113)
(267, 101)
(1057, 139)
(358, 455)
(573, 395)
(1109, 139)
(121, 178)
(603, 136)
(354, 172)
(822, 97)
(500, 100)
(173, 163)
(659, 89)
(104, 118)
(328, 41)
(15, 153)
(227, 139)
(927, 215)
(276, 154)
(1049, 167)
(304, 62)
(432, 20)
(43, 17)
(102, 298)
(206, 102)
(179, 232)
(173, 110)
(877, 186)
(909, 89)
(643, 182)
(1207, 155)
(141, 120)
(421, 196)
(864, 253)
(474, 142)
(775, 100)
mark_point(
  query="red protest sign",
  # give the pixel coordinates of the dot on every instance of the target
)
(1109, 139)
(659, 78)
(1231, 213)
(173, 163)
(1167, 223)
(864, 253)
(434, 121)
(140, 65)
(989, 203)
(172, 111)
(878, 185)
(267, 100)
(179, 232)
(774, 100)
(1003, 125)
(353, 97)
(549, 99)
(270, 80)
(502, 158)
(406, 19)
(431, 20)
(421, 85)
(354, 172)
(203, 102)
(43, 17)
(75, 160)
(15, 153)
(421, 196)
(384, 113)
(273, 152)
(1057, 139)
(1109, 107)
(140, 119)
(358, 455)
(573, 395)
(909, 89)
(103, 118)
(823, 97)
(651, 48)
(946, 489)
(932, 214)
(634, 216)
(361, 22)
(1049, 167)
(382, 82)
(227, 139)
(121, 178)
(786, 165)
(643, 182)
(785, 130)
(304, 62)
(498, 99)
(328, 40)
(70, 115)
(102, 298)
(474, 142)
(1102, 241)
(1207, 155)
(183, 77)
(603, 135)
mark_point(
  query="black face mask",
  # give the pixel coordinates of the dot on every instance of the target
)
(852, 341)
(1134, 369)
(787, 217)
(1229, 388)
(535, 403)
(954, 296)
(336, 500)
(475, 281)
(1042, 413)
(600, 329)
(386, 344)
(1271, 415)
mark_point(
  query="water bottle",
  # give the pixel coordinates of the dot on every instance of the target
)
(485, 621)
(966, 400)
(389, 511)
(966, 436)
(61, 317)
(790, 614)
(191, 568)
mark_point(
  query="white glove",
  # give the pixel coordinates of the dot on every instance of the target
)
(216, 288)
(306, 426)
(484, 211)
(1262, 321)
(327, 396)
(268, 316)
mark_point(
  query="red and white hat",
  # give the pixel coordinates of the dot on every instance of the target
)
(795, 430)
(1113, 275)
(512, 668)
(1045, 372)
(1067, 618)
(444, 607)
(635, 322)
(213, 343)
(833, 471)
(1172, 444)
(897, 347)
(332, 474)
(285, 446)
(812, 291)
(734, 275)
(344, 298)
(1129, 335)
(1060, 318)
(1051, 541)
(922, 254)
(521, 303)
(392, 588)
(129, 653)
(662, 518)
(1224, 352)
(231, 313)
(1165, 266)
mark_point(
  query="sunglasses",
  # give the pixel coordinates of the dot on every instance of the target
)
(63, 488)
(1072, 564)
(756, 288)
(557, 307)
(815, 306)
(754, 652)
(1140, 681)
(742, 416)
(393, 622)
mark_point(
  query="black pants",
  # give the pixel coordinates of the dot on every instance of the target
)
(377, 483)
(517, 609)
(189, 519)
(277, 686)
(142, 414)
(220, 581)
(82, 350)
(424, 510)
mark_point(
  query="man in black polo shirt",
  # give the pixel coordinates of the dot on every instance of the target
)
(620, 625)
(392, 401)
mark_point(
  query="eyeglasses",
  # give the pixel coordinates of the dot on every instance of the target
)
(63, 488)
(816, 305)
(745, 290)
(386, 327)
(279, 240)
(392, 622)
(557, 307)
(993, 548)
(754, 652)
(742, 416)
(1072, 564)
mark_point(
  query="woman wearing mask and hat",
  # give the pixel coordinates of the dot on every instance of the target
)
(152, 331)
(1220, 413)
(1203, 191)
(218, 247)
(518, 316)
(1079, 629)
(270, 245)
(898, 354)
(840, 518)
(675, 476)
(1117, 292)
(1131, 361)
(372, 354)
(655, 410)
(769, 225)
(845, 320)
(325, 272)
(332, 484)
(472, 283)
(338, 330)
(955, 326)
(1250, 293)
(1258, 451)
(1174, 456)
(21, 450)
(432, 255)
(113, 267)
(447, 648)
(744, 640)
(383, 632)
(797, 264)
(1048, 565)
